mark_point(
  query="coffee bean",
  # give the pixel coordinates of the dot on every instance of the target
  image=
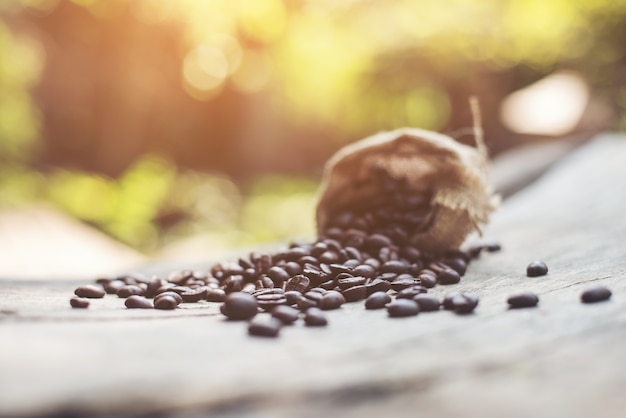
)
(292, 297)
(138, 302)
(355, 293)
(278, 275)
(113, 286)
(77, 302)
(492, 247)
(364, 270)
(464, 303)
(332, 300)
(265, 326)
(269, 301)
(239, 306)
(427, 280)
(377, 285)
(180, 289)
(178, 298)
(402, 282)
(394, 266)
(216, 295)
(339, 268)
(376, 241)
(314, 317)
(536, 268)
(350, 281)
(165, 303)
(448, 276)
(295, 253)
(90, 291)
(402, 308)
(130, 290)
(195, 295)
(457, 264)
(522, 300)
(448, 300)
(595, 294)
(153, 286)
(328, 285)
(299, 283)
(410, 254)
(411, 291)
(286, 314)
(377, 300)
(233, 284)
(292, 268)
(426, 302)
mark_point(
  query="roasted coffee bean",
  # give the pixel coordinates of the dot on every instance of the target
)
(318, 248)
(377, 300)
(153, 286)
(402, 307)
(265, 327)
(448, 276)
(304, 303)
(239, 306)
(308, 259)
(233, 284)
(390, 277)
(595, 294)
(296, 253)
(457, 264)
(178, 298)
(248, 288)
(373, 263)
(522, 300)
(355, 293)
(410, 292)
(353, 253)
(292, 268)
(130, 290)
(427, 280)
(394, 266)
(536, 268)
(328, 257)
(278, 275)
(292, 297)
(299, 283)
(195, 295)
(216, 295)
(331, 300)
(350, 281)
(90, 291)
(352, 263)
(426, 302)
(340, 268)
(180, 289)
(328, 285)
(286, 314)
(164, 288)
(376, 241)
(447, 300)
(264, 282)
(246, 263)
(165, 303)
(270, 301)
(113, 286)
(314, 317)
(138, 302)
(411, 254)
(364, 270)
(402, 282)
(377, 285)
(462, 303)
(77, 302)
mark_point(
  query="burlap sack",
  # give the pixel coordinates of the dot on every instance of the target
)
(457, 173)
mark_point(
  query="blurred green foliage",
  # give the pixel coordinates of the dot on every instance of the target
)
(350, 65)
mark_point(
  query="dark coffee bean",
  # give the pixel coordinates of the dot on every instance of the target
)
(286, 314)
(410, 254)
(377, 300)
(595, 294)
(263, 263)
(402, 282)
(355, 293)
(448, 276)
(272, 291)
(195, 295)
(176, 277)
(464, 303)
(292, 297)
(264, 282)
(410, 292)
(315, 294)
(402, 307)
(304, 303)
(138, 302)
(394, 266)
(328, 284)
(246, 263)
(339, 268)
(278, 275)
(427, 280)
(296, 253)
(269, 301)
(353, 253)
(307, 259)
(522, 300)
(90, 291)
(352, 263)
(130, 290)
(292, 268)
(178, 298)
(153, 286)
(265, 327)
(332, 300)
(113, 286)
(364, 270)
(318, 248)
(328, 257)
(248, 288)
(77, 302)
(165, 303)
(448, 300)
(388, 276)
(164, 288)
(372, 262)
(299, 283)
(239, 306)
(233, 284)
(492, 247)
(536, 268)
(314, 317)
(216, 295)
(180, 289)
(377, 285)
(315, 276)
(457, 264)
(427, 303)
(376, 241)
(348, 282)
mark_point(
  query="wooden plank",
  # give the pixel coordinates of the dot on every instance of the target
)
(560, 359)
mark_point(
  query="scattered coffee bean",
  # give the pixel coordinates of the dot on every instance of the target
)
(165, 303)
(377, 300)
(299, 283)
(90, 291)
(77, 302)
(355, 293)
(536, 268)
(178, 298)
(239, 306)
(595, 294)
(332, 300)
(463, 303)
(286, 314)
(402, 307)
(130, 290)
(262, 326)
(427, 303)
(448, 276)
(113, 286)
(522, 300)
(216, 295)
(314, 317)
(138, 302)
(195, 295)
(411, 292)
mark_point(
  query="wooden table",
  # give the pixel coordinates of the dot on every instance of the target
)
(561, 359)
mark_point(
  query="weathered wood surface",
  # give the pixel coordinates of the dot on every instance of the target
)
(562, 359)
